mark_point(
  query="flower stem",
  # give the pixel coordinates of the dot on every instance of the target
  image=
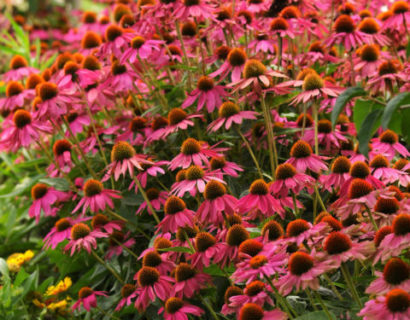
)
(350, 284)
(295, 204)
(144, 195)
(271, 139)
(322, 304)
(114, 273)
(280, 51)
(315, 118)
(117, 216)
(209, 307)
(312, 302)
(125, 248)
(185, 57)
(320, 199)
(333, 287)
(282, 300)
(255, 161)
(371, 218)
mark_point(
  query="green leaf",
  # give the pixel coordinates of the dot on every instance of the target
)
(21, 276)
(343, 99)
(405, 127)
(58, 183)
(176, 249)
(361, 109)
(369, 125)
(316, 315)
(391, 107)
(4, 270)
(215, 270)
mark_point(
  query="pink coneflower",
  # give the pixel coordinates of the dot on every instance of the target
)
(127, 294)
(61, 231)
(288, 179)
(88, 298)
(118, 241)
(43, 198)
(195, 179)
(260, 201)
(176, 215)
(327, 138)
(371, 30)
(253, 311)
(193, 8)
(389, 75)
(178, 119)
(207, 93)
(151, 285)
(206, 249)
(15, 96)
(229, 113)
(117, 39)
(62, 154)
(82, 237)
(229, 250)
(345, 33)
(395, 275)
(281, 28)
(194, 152)
(150, 168)
(217, 203)
(303, 158)
(231, 291)
(188, 280)
(254, 292)
(124, 159)
(388, 144)
(140, 47)
(101, 222)
(234, 63)
(222, 167)
(400, 17)
(96, 197)
(369, 61)
(121, 79)
(21, 131)
(339, 174)
(262, 43)
(303, 273)
(18, 69)
(77, 122)
(161, 262)
(381, 170)
(177, 309)
(360, 170)
(157, 199)
(397, 241)
(395, 305)
(299, 231)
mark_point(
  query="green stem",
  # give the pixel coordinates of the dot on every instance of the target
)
(255, 161)
(350, 284)
(125, 248)
(371, 218)
(295, 204)
(320, 199)
(144, 195)
(315, 118)
(114, 273)
(312, 302)
(269, 129)
(333, 287)
(209, 307)
(117, 216)
(322, 304)
(282, 300)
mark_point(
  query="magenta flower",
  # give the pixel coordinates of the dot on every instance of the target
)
(61, 231)
(197, 9)
(102, 223)
(338, 176)
(118, 241)
(255, 292)
(234, 63)
(177, 309)
(157, 199)
(303, 158)
(96, 197)
(253, 310)
(176, 215)
(345, 33)
(19, 69)
(88, 298)
(206, 249)
(162, 262)
(229, 114)
(15, 96)
(43, 198)
(388, 144)
(188, 280)
(117, 39)
(288, 179)
(127, 294)
(221, 167)
(82, 237)
(140, 47)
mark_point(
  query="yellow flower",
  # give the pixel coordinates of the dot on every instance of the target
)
(38, 303)
(16, 260)
(58, 305)
(62, 286)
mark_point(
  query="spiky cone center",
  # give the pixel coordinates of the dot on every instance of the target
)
(176, 116)
(274, 228)
(232, 220)
(147, 276)
(332, 222)
(222, 52)
(61, 146)
(152, 259)
(253, 68)
(369, 25)
(120, 10)
(80, 231)
(251, 311)
(312, 82)
(397, 193)
(387, 206)
(296, 227)
(400, 7)
(324, 126)
(379, 161)
(344, 23)
(104, 20)
(389, 67)
(365, 14)
(400, 164)
(162, 243)
(217, 163)
(89, 17)
(214, 189)
(127, 290)
(159, 122)
(184, 272)
(175, 50)
(38, 191)
(203, 241)
(127, 21)
(194, 173)
(290, 12)
(99, 220)
(320, 217)
(247, 15)
(205, 84)
(190, 3)
(389, 137)
(254, 288)
(307, 118)
(137, 42)
(317, 47)
(137, 124)
(251, 247)
(359, 188)
(259, 187)
(85, 292)
(231, 292)
(236, 235)
(190, 232)
(181, 175)
(341, 165)
(396, 271)
(228, 109)
(92, 188)
(122, 150)
(174, 205)
(152, 193)
(224, 14)
(47, 91)
(172, 305)
(91, 40)
(346, 8)
(285, 171)
(300, 149)
(91, 63)
(381, 234)
(304, 73)
(18, 62)
(14, 88)
(279, 24)
(190, 146)
(258, 261)
(300, 263)
(33, 80)
(369, 52)
(113, 32)
(62, 224)
(337, 242)
(398, 301)
(118, 69)
(62, 59)
(237, 57)
(359, 169)
(401, 224)
(188, 29)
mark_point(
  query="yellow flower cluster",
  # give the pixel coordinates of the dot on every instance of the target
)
(62, 286)
(16, 260)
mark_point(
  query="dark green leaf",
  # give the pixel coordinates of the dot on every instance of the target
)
(391, 107)
(177, 249)
(405, 127)
(367, 130)
(58, 183)
(316, 315)
(343, 99)
(361, 109)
